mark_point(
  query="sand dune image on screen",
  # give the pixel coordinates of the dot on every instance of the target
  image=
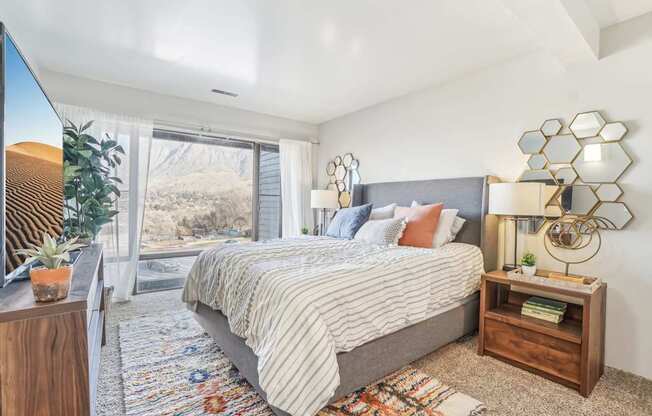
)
(34, 195)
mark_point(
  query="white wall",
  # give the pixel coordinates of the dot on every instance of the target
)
(117, 99)
(470, 127)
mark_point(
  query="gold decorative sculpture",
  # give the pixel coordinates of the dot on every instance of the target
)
(580, 235)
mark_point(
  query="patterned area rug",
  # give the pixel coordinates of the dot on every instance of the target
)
(171, 367)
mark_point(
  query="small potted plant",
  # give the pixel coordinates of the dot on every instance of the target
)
(51, 277)
(529, 264)
(305, 231)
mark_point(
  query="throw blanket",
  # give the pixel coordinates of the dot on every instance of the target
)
(298, 302)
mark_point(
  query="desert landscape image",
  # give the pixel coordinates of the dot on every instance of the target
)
(34, 196)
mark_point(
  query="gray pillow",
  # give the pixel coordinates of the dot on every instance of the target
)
(381, 232)
(383, 213)
(348, 221)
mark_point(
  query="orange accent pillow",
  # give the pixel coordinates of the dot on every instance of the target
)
(422, 223)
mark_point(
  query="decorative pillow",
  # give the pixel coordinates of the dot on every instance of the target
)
(457, 226)
(421, 224)
(443, 233)
(348, 221)
(383, 213)
(381, 232)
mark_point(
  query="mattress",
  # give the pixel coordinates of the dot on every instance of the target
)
(299, 302)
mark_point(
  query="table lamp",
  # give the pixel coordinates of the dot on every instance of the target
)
(323, 199)
(517, 201)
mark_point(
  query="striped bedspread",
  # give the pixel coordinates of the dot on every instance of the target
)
(298, 302)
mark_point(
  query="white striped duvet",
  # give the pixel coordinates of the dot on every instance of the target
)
(298, 302)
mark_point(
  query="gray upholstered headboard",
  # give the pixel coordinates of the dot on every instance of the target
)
(469, 195)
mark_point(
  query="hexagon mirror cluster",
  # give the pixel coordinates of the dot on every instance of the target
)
(343, 174)
(587, 162)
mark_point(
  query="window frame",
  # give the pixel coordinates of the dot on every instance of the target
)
(213, 140)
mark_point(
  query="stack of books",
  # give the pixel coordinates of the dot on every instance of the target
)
(546, 309)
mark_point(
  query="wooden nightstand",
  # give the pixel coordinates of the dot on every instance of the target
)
(570, 353)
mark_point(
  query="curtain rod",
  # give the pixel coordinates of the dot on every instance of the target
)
(200, 129)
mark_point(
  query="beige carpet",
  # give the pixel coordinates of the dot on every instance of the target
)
(504, 389)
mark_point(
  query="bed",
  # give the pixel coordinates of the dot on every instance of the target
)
(311, 349)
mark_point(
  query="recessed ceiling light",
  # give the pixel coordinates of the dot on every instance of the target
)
(230, 94)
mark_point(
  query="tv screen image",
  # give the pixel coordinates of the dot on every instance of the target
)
(33, 159)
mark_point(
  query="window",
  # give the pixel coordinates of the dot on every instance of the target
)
(203, 191)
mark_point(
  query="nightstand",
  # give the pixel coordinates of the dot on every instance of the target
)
(570, 353)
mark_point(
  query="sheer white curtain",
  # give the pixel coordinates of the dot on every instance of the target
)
(121, 237)
(296, 184)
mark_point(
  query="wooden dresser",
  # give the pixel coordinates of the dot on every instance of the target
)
(570, 353)
(50, 352)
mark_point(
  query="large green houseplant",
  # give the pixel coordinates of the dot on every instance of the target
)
(90, 188)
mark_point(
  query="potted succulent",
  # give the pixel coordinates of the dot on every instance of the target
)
(51, 278)
(529, 264)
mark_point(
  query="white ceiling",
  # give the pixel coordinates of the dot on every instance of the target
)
(308, 60)
(611, 12)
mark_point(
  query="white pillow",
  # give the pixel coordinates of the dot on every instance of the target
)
(383, 213)
(382, 232)
(457, 226)
(443, 232)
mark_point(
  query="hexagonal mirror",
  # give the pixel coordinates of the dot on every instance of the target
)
(539, 175)
(355, 163)
(566, 176)
(609, 192)
(601, 162)
(347, 159)
(587, 124)
(577, 199)
(562, 149)
(612, 132)
(341, 186)
(340, 172)
(532, 142)
(330, 168)
(551, 127)
(345, 199)
(616, 212)
(537, 161)
(338, 160)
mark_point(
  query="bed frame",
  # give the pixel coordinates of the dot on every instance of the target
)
(375, 359)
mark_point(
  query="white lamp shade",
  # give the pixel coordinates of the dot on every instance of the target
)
(526, 199)
(323, 198)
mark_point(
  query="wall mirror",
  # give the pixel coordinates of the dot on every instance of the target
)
(613, 132)
(616, 212)
(566, 176)
(551, 127)
(587, 124)
(609, 192)
(537, 161)
(562, 149)
(577, 199)
(531, 142)
(601, 162)
(343, 174)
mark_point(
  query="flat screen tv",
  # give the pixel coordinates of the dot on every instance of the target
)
(31, 138)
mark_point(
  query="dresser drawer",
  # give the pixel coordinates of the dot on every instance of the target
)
(554, 356)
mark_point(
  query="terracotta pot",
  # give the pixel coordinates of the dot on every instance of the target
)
(49, 285)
